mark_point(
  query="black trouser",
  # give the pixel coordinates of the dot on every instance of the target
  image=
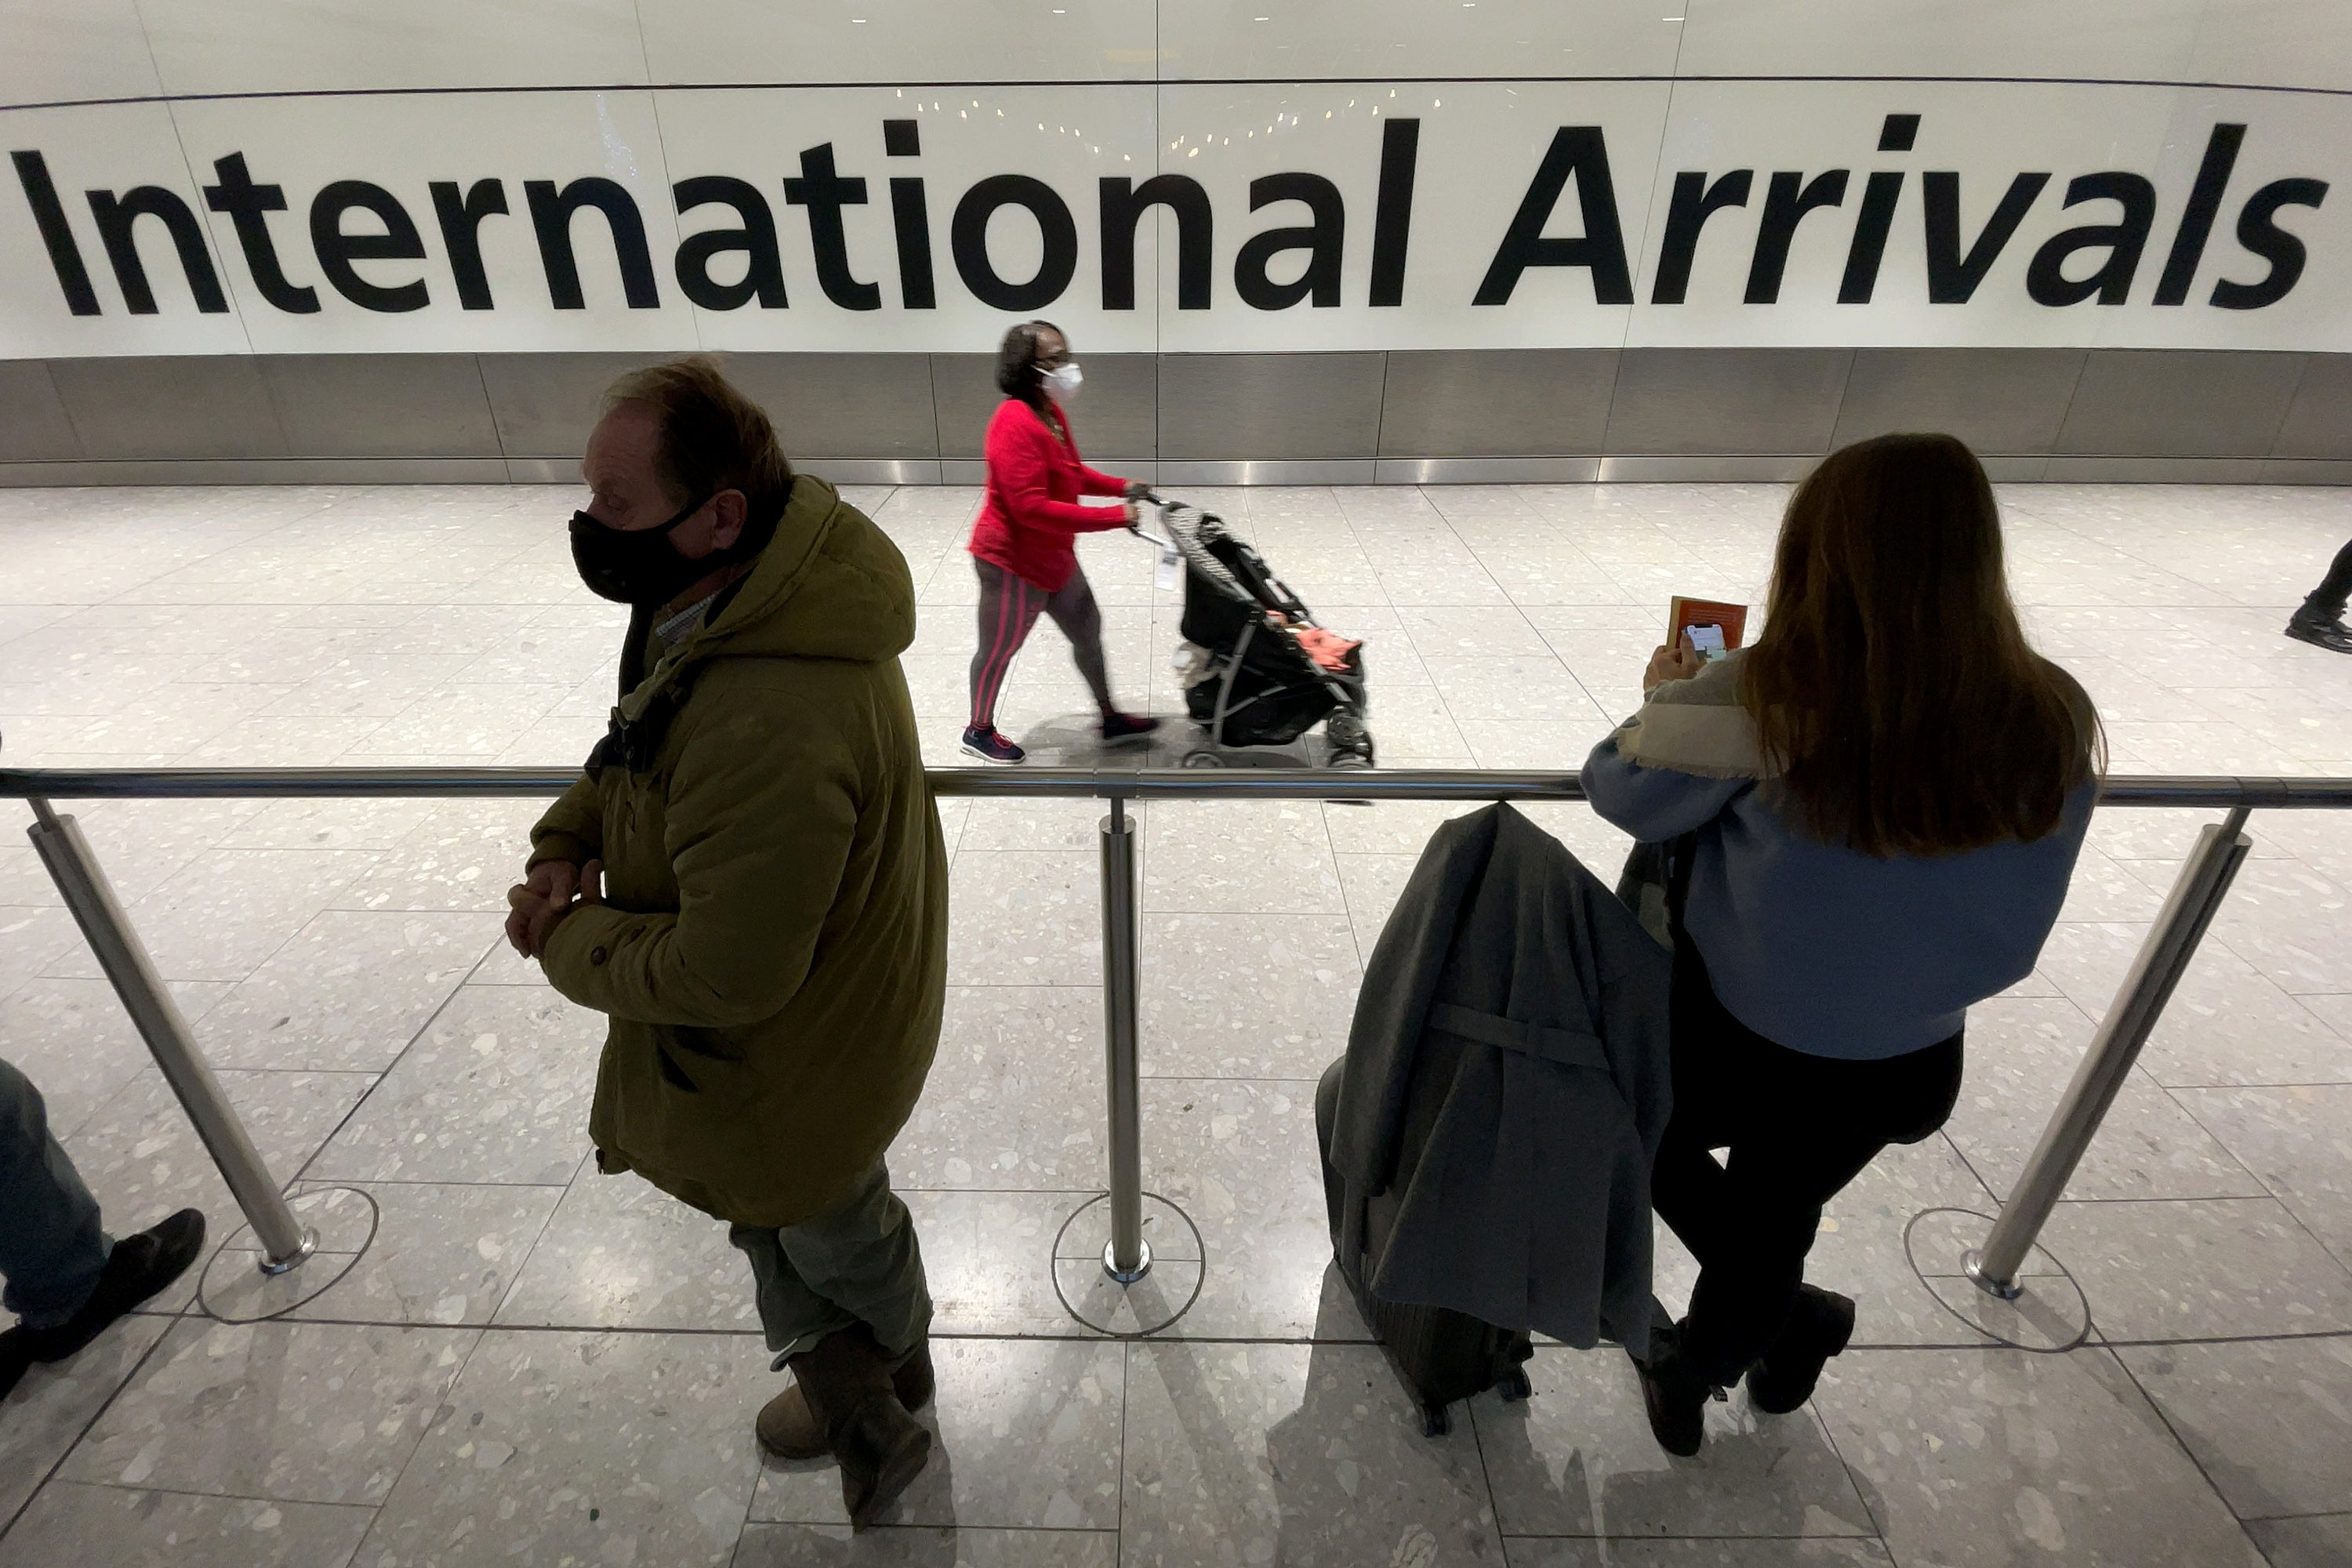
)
(1798, 1128)
(2327, 601)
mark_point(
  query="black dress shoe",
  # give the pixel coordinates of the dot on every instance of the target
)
(1674, 1395)
(1819, 1327)
(2327, 632)
(139, 1265)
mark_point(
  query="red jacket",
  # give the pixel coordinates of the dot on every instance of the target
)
(1032, 513)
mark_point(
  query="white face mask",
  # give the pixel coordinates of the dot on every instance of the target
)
(1063, 381)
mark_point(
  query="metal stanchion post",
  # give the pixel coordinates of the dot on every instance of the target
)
(285, 1241)
(1128, 1258)
(2213, 866)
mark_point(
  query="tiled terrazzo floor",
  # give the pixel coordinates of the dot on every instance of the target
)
(533, 1365)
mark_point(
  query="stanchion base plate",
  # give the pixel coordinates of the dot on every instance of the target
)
(235, 1288)
(2050, 1313)
(1145, 1306)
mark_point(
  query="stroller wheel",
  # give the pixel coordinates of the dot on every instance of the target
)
(1203, 760)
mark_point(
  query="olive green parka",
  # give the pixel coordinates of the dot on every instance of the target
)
(771, 947)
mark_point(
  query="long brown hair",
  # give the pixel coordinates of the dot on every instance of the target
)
(1891, 687)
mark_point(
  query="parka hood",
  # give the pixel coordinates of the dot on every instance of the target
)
(829, 585)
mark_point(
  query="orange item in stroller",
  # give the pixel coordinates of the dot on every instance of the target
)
(1330, 650)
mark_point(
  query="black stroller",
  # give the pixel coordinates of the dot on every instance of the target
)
(1248, 675)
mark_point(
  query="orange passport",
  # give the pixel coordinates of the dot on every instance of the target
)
(1705, 625)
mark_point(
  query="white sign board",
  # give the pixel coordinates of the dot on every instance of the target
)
(1181, 217)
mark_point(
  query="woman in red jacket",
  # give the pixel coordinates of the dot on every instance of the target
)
(1023, 542)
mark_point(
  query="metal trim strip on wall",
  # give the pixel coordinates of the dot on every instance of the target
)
(1310, 472)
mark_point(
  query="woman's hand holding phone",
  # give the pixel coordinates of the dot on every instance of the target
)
(1676, 663)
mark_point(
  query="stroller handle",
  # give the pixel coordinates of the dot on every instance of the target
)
(1150, 498)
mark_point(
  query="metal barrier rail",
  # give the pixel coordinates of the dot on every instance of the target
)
(2205, 879)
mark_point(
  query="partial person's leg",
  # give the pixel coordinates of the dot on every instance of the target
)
(857, 1262)
(843, 1299)
(861, 1256)
(1073, 610)
(1008, 608)
(52, 1247)
(1816, 1125)
(1688, 1189)
(2335, 591)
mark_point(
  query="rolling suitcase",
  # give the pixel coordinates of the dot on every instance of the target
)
(1442, 1356)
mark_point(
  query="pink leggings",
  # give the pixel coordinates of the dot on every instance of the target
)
(1008, 608)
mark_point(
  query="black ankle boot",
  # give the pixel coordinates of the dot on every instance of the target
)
(1819, 1327)
(1674, 1395)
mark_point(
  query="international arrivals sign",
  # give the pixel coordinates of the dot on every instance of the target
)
(1182, 218)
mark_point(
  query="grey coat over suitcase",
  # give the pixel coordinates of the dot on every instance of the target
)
(1511, 1040)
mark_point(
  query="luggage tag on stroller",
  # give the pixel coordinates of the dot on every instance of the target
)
(1171, 565)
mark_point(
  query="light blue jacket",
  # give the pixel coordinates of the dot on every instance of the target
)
(1830, 952)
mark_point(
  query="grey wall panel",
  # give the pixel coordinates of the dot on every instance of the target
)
(545, 405)
(1692, 402)
(380, 405)
(1216, 407)
(261, 471)
(1116, 414)
(964, 397)
(2319, 421)
(214, 406)
(2010, 401)
(33, 423)
(1497, 402)
(2179, 403)
(843, 404)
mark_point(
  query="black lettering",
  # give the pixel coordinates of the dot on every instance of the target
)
(56, 234)
(1392, 214)
(910, 218)
(1123, 204)
(2045, 279)
(337, 251)
(2259, 232)
(461, 224)
(2197, 218)
(1695, 200)
(550, 219)
(825, 193)
(1871, 227)
(247, 205)
(1785, 206)
(1581, 152)
(1898, 132)
(1323, 239)
(967, 238)
(118, 215)
(754, 235)
(1952, 277)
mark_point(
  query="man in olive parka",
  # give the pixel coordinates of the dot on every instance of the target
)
(750, 882)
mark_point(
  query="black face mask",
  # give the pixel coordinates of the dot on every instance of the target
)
(638, 566)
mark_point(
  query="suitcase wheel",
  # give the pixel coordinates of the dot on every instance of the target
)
(1434, 1421)
(1515, 1386)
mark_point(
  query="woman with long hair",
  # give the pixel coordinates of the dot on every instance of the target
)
(1884, 797)
(1024, 541)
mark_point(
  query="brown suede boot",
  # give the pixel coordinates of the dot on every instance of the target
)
(845, 1387)
(788, 1425)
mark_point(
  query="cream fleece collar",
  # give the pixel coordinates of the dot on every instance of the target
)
(1696, 726)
